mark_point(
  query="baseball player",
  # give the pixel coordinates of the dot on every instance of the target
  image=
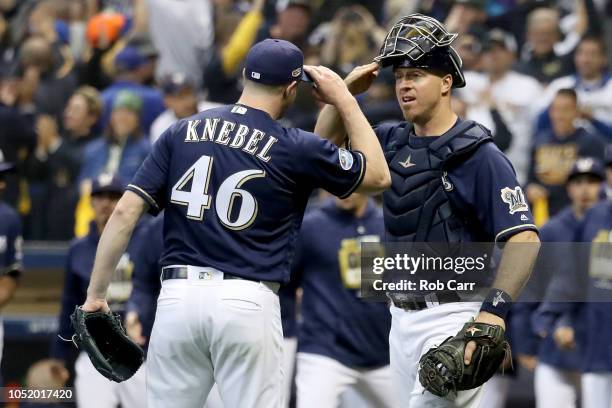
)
(558, 360)
(342, 341)
(92, 389)
(449, 184)
(234, 184)
(11, 242)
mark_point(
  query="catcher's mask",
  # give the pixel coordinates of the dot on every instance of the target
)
(419, 41)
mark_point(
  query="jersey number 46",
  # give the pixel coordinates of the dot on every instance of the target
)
(197, 199)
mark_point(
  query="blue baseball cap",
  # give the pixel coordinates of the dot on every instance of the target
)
(275, 62)
(129, 58)
(107, 183)
(587, 165)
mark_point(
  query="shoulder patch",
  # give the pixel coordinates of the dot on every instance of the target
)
(515, 199)
(346, 159)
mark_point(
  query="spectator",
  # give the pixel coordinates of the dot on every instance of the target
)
(123, 148)
(51, 172)
(182, 47)
(181, 99)
(292, 23)
(544, 57)
(466, 14)
(17, 137)
(501, 91)
(44, 87)
(469, 48)
(132, 71)
(80, 117)
(592, 84)
(555, 151)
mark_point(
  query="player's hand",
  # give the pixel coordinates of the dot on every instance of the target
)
(133, 327)
(528, 361)
(564, 337)
(360, 78)
(329, 87)
(483, 317)
(95, 305)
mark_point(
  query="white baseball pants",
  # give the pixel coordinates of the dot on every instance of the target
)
(321, 381)
(555, 388)
(93, 390)
(209, 330)
(413, 333)
(597, 390)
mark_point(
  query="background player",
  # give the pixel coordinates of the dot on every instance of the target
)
(342, 340)
(92, 389)
(218, 311)
(11, 242)
(449, 184)
(556, 358)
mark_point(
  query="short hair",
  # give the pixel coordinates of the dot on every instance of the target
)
(543, 15)
(594, 38)
(92, 99)
(567, 92)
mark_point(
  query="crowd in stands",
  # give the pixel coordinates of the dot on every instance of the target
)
(86, 86)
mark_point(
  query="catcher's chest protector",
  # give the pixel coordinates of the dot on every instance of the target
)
(417, 207)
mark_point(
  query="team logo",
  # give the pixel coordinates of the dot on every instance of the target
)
(296, 72)
(498, 299)
(448, 186)
(515, 199)
(346, 159)
(405, 164)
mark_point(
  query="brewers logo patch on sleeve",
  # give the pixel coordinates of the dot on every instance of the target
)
(515, 199)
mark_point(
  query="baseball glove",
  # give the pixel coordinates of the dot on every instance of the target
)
(442, 369)
(109, 348)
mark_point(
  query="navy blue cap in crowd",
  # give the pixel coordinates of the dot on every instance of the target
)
(107, 183)
(608, 155)
(587, 165)
(129, 58)
(173, 83)
(275, 62)
(5, 166)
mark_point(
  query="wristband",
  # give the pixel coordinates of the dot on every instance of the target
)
(497, 302)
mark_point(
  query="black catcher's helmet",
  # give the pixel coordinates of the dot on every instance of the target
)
(419, 41)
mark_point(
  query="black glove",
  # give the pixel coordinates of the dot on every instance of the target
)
(104, 340)
(442, 369)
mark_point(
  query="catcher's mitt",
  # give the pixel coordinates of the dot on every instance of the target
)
(109, 348)
(442, 369)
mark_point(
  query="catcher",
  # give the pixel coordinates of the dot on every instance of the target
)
(450, 183)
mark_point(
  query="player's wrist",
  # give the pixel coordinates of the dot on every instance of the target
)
(497, 303)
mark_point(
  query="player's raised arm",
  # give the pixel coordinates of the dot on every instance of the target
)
(331, 89)
(329, 123)
(113, 242)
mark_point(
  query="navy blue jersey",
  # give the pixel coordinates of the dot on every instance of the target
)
(79, 264)
(597, 228)
(234, 184)
(483, 188)
(146, 283)
(531, 317)
(10, 240)
(335, 322)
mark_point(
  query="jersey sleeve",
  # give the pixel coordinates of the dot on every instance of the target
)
(486, 182)
(151, 178)
(322, 164)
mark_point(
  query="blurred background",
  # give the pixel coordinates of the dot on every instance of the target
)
(86, 87)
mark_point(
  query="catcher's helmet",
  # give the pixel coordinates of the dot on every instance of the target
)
(419, 41)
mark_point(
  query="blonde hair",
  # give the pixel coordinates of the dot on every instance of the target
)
(92, 98)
